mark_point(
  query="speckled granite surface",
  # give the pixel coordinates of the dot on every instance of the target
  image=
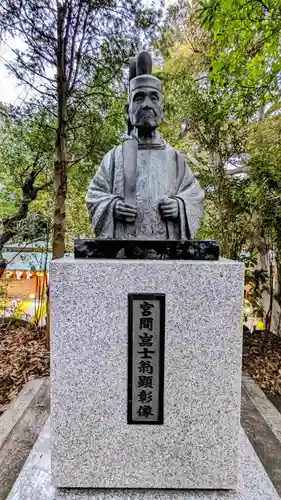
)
(92, 444)
(34, 482)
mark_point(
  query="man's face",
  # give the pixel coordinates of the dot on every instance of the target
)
(146, 108)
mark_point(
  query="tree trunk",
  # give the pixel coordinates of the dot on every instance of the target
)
(60, 174)
(60, 199)
(269, 312)
(278, 263)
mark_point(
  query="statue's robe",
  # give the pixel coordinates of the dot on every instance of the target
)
(160, 172)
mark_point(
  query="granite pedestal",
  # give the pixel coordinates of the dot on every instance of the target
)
(34, 481)
(92, 443)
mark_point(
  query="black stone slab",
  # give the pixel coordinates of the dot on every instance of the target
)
(146, 249)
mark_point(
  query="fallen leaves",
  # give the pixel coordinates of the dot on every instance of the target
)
(264, 367)
(24, 356)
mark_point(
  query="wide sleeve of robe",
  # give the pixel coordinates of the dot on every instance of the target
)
(191, 203)
(100, 198)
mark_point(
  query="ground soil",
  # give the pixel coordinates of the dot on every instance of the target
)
(23, 356)
(264, 365)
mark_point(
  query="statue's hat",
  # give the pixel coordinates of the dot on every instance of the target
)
(140, 74)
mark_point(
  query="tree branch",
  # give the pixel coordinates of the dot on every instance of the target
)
(71, 62)
(263, 4)
(29, 84)
(29, 194)
(44, 186)
(79, 52)
(239, 170)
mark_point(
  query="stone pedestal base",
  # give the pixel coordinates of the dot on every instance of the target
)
(34, 482)
(92, 443)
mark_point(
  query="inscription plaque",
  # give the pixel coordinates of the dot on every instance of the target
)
(146, 338)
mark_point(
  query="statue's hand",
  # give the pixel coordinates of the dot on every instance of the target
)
(169, 208)
(124, 212)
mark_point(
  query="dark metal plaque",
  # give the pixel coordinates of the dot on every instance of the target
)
(146, 330)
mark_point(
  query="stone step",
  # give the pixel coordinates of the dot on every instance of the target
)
(20, 426)
(271, 415)
(16, 409)
(262, 423)
(23, 420)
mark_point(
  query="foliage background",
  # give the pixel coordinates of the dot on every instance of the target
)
(219, 61)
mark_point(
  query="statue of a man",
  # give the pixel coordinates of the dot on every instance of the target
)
(144, 189)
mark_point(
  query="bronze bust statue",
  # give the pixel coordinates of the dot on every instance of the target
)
(144, 188)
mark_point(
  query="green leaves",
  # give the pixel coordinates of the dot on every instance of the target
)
(209, 9)
(26, 156)
(245, 56)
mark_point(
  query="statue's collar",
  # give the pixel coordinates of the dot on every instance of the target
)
(156, 142)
